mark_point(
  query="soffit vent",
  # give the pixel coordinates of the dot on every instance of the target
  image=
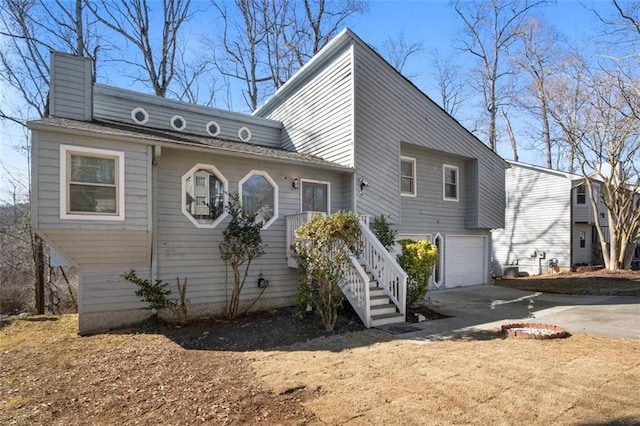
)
(213, 128)
(139, 115)
(244, 134)
(178, 123)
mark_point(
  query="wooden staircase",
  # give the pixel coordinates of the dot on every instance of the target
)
(374, 284)
(382, 310)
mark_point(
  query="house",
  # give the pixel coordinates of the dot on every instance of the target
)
(124, 180)
(549, 223)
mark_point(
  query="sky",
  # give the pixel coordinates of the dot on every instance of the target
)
(429, 22)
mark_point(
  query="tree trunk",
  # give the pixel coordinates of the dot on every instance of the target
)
(38, 264)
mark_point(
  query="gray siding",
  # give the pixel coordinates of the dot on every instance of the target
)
(189, 252)
(538, 218)
(318, 114)
(390, 110)
(583, 213)
(47, 150)
(70, 82)
(98, 249)
(428, 212)
(116, 104)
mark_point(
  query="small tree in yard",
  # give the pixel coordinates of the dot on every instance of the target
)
(323, 246)
(383, 232)
(241, 244)
(417, 260)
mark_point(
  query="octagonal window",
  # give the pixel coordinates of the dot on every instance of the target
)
(204, 195)
(259, 197)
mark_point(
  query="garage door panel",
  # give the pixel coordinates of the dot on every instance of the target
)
(465, 260)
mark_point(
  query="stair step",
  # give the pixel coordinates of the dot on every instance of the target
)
(394, 318)
(383, 309)
(377, 300)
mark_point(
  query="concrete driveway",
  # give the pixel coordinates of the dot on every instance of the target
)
(487, 307)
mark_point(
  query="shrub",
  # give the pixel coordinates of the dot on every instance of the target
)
(324, 245)
(383, 232)
(156, 295)
(417, 260)
(241, 244)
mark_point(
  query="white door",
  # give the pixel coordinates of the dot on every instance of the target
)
(465, 261)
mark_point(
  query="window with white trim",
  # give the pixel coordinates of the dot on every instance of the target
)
(408, 176)
(581, 194)
(450, 182)
(259, 197)
(204, 195)
(315, 196)
(91, 183)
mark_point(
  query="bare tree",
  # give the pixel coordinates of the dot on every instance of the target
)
(538, 58)
(31, 30)
(609, 154)
(264, 42)
(449, 81)
(131, 20)
(491, 29)
(567, 97)
(397, 51)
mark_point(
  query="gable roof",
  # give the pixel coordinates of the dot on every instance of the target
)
(541, 169)
(128, 132)
(320, 59)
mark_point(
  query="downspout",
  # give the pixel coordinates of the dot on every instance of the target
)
(153, 205)
(571, 226)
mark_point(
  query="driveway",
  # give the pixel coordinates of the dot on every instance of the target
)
(487, 307)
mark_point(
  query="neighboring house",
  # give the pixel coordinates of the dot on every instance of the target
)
(549, 223)
(125, 180)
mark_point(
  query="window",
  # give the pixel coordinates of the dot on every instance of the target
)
(581, 194)
(583, 239)
(315, 196)
(91, 183)
(437, 266)
(596, 193)
(259, 197)
(204, 196)
(450, 182)
(408, 176)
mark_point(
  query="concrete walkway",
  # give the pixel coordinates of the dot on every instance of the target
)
(485, 308)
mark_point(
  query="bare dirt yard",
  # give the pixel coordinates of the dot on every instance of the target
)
(273, 369)
(619, 283)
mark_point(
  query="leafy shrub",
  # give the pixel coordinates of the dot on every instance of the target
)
(241, 244)
(417, 260)
(323, 246)
(383, 232)
(156, 295)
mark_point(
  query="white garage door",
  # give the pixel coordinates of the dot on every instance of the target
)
(464, 261)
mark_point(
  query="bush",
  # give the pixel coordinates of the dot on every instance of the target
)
(324, 245)
(417, 260)
(156, 295)
(241, 244)
(383, 232)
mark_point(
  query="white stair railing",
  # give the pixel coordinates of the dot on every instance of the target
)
(355, 284)
(384, 268)
(355, 287)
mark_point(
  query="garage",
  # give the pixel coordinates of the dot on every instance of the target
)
(465, 260)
